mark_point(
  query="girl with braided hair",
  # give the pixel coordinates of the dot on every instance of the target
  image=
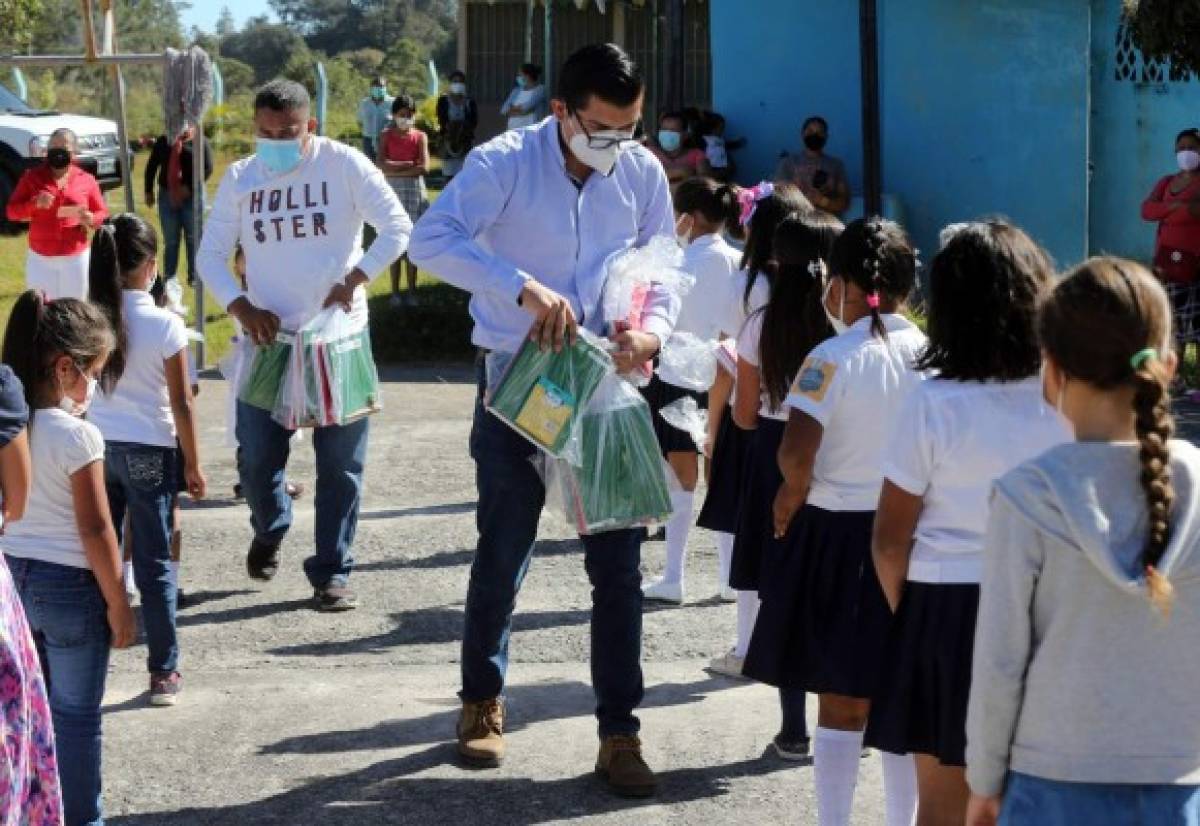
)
(833, 618)
(1083, 704)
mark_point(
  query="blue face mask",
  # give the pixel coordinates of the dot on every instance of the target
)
(669, 140)
(520, 81)
(278, 156)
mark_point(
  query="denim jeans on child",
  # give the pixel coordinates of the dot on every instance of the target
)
(142, 482)
(511, 496)
(177, 221)
(69, 620)
(341, 452)
(1035, 800)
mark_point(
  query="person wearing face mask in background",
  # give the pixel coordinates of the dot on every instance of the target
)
(374, 113)
(526, 103)
(404, 159)
(298, 206)
(821, 177)
(169, 169)
(458, 117)
(1174, 204)
(680, 161)
(61, 203)
(506, 230)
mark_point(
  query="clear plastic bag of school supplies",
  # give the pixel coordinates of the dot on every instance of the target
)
(688, 361)
(264, 370)
(542, 392)
(621, 480)
(689, 417)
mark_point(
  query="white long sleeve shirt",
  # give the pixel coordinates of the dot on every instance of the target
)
(514, 213)
(301, 231)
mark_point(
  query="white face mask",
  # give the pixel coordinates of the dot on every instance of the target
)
(76, 408)
(458, 88)
(1188, 160)
(601, 160)
(836, 322)
(403, 123)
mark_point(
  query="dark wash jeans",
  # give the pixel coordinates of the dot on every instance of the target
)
(142, 481)
(69, 620)
(511, 496)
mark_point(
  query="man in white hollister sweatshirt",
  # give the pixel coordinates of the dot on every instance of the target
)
(297, 207)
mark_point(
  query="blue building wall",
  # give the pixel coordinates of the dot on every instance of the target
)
(988, 107)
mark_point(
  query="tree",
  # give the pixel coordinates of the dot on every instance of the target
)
(225, 23)
(264, 46)
(366, 62)
(19, 17)
(1167, 30)
(406, 68)
(238, 76)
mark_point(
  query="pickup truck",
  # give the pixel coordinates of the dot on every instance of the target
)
(25, 131)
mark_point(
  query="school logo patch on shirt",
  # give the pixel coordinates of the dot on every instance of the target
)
(814, 379)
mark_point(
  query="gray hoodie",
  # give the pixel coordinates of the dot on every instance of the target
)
(1076, 676)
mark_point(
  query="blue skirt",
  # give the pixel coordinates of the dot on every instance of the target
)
(755, 516)
(726, 468)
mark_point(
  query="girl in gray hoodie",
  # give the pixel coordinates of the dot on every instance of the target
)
(1084, 705)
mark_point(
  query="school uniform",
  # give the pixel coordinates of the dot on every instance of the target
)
(824, 618)
(951, 442)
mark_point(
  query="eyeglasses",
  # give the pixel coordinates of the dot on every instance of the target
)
(603, 142)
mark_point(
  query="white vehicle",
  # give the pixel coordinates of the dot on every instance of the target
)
(25, 131)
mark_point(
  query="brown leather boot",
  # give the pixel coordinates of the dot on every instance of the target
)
(620, 763)
(481, 732)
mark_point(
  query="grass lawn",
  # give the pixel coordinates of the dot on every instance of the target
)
(435, 331)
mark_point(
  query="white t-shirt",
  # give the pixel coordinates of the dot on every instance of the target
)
(854, 385)
(747, 350)
(59, 444)
(952, 440)
(139, 408)
(737, 308)
(713, 263)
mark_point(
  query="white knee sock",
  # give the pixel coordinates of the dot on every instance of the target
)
(747, 613)
(677, 534)
(724, 556)
(836, 755)
(900, 788)
(130, 585)
(175, 571)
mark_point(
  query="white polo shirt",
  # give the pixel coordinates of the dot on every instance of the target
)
(747, 351)
(713, 263)
(139, 408)
(854, 385)
(951, 441)
(736, 306)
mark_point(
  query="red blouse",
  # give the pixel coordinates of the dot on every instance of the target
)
(398, 146)
(48, 234)
(1177, 227)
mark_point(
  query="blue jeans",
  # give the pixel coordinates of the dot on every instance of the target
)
(69, 620)
(368, 147)
(1034, 800)
(142, 482)
(176, 222)
(341, 452)
(511, 496)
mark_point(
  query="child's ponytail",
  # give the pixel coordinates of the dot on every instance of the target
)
(23, 347)
(1155, 427)
(120, 247)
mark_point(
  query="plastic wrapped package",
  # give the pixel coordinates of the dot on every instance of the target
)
(263, 374)
(689, 417)
(688, 361)
(621, 480)
(542, 393)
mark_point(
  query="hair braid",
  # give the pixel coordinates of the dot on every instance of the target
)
(1154, 430)
(874, 265)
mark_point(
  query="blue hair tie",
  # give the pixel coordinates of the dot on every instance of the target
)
(1142, 356)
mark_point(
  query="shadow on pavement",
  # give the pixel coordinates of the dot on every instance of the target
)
(426, 510)
(246, 612)
(451, 559)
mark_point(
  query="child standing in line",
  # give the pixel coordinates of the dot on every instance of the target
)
(979, 415)
(1083, 703)
(773, 343)
(404, 159)
(64, 555)
(829, 619)
(762, 208)
(144, 407)
(702, 209)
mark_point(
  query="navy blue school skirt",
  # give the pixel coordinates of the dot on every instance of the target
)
(824, 619)
(920, 705)
(755, 526)
(658, 394)
(726, 468)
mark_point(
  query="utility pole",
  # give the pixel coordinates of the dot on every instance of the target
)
(672, 55)
(868, 33)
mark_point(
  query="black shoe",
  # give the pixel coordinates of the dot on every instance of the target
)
(180, 599)
(334, 598)
(789, 749)
(237, 492)
(262, 562)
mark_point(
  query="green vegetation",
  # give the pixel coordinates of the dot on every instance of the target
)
(1166, 30)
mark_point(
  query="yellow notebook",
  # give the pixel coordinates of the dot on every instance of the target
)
(546, 412)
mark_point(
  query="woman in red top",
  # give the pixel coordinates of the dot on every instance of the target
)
(404, 159)
(1175, 205)
(61, 202)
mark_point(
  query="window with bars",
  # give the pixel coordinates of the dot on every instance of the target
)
(1134, 67)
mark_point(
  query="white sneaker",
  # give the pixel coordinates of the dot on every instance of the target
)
(728, 665)
(663, 591)
(727, 594)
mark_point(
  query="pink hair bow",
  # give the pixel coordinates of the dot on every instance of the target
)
(873, 301)
(748, 199)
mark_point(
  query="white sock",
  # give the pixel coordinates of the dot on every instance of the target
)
(900, 788)
(747, 614)
(130, 584)
(677, 534)
(724, 556)
(836, 755)
(175, 571)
